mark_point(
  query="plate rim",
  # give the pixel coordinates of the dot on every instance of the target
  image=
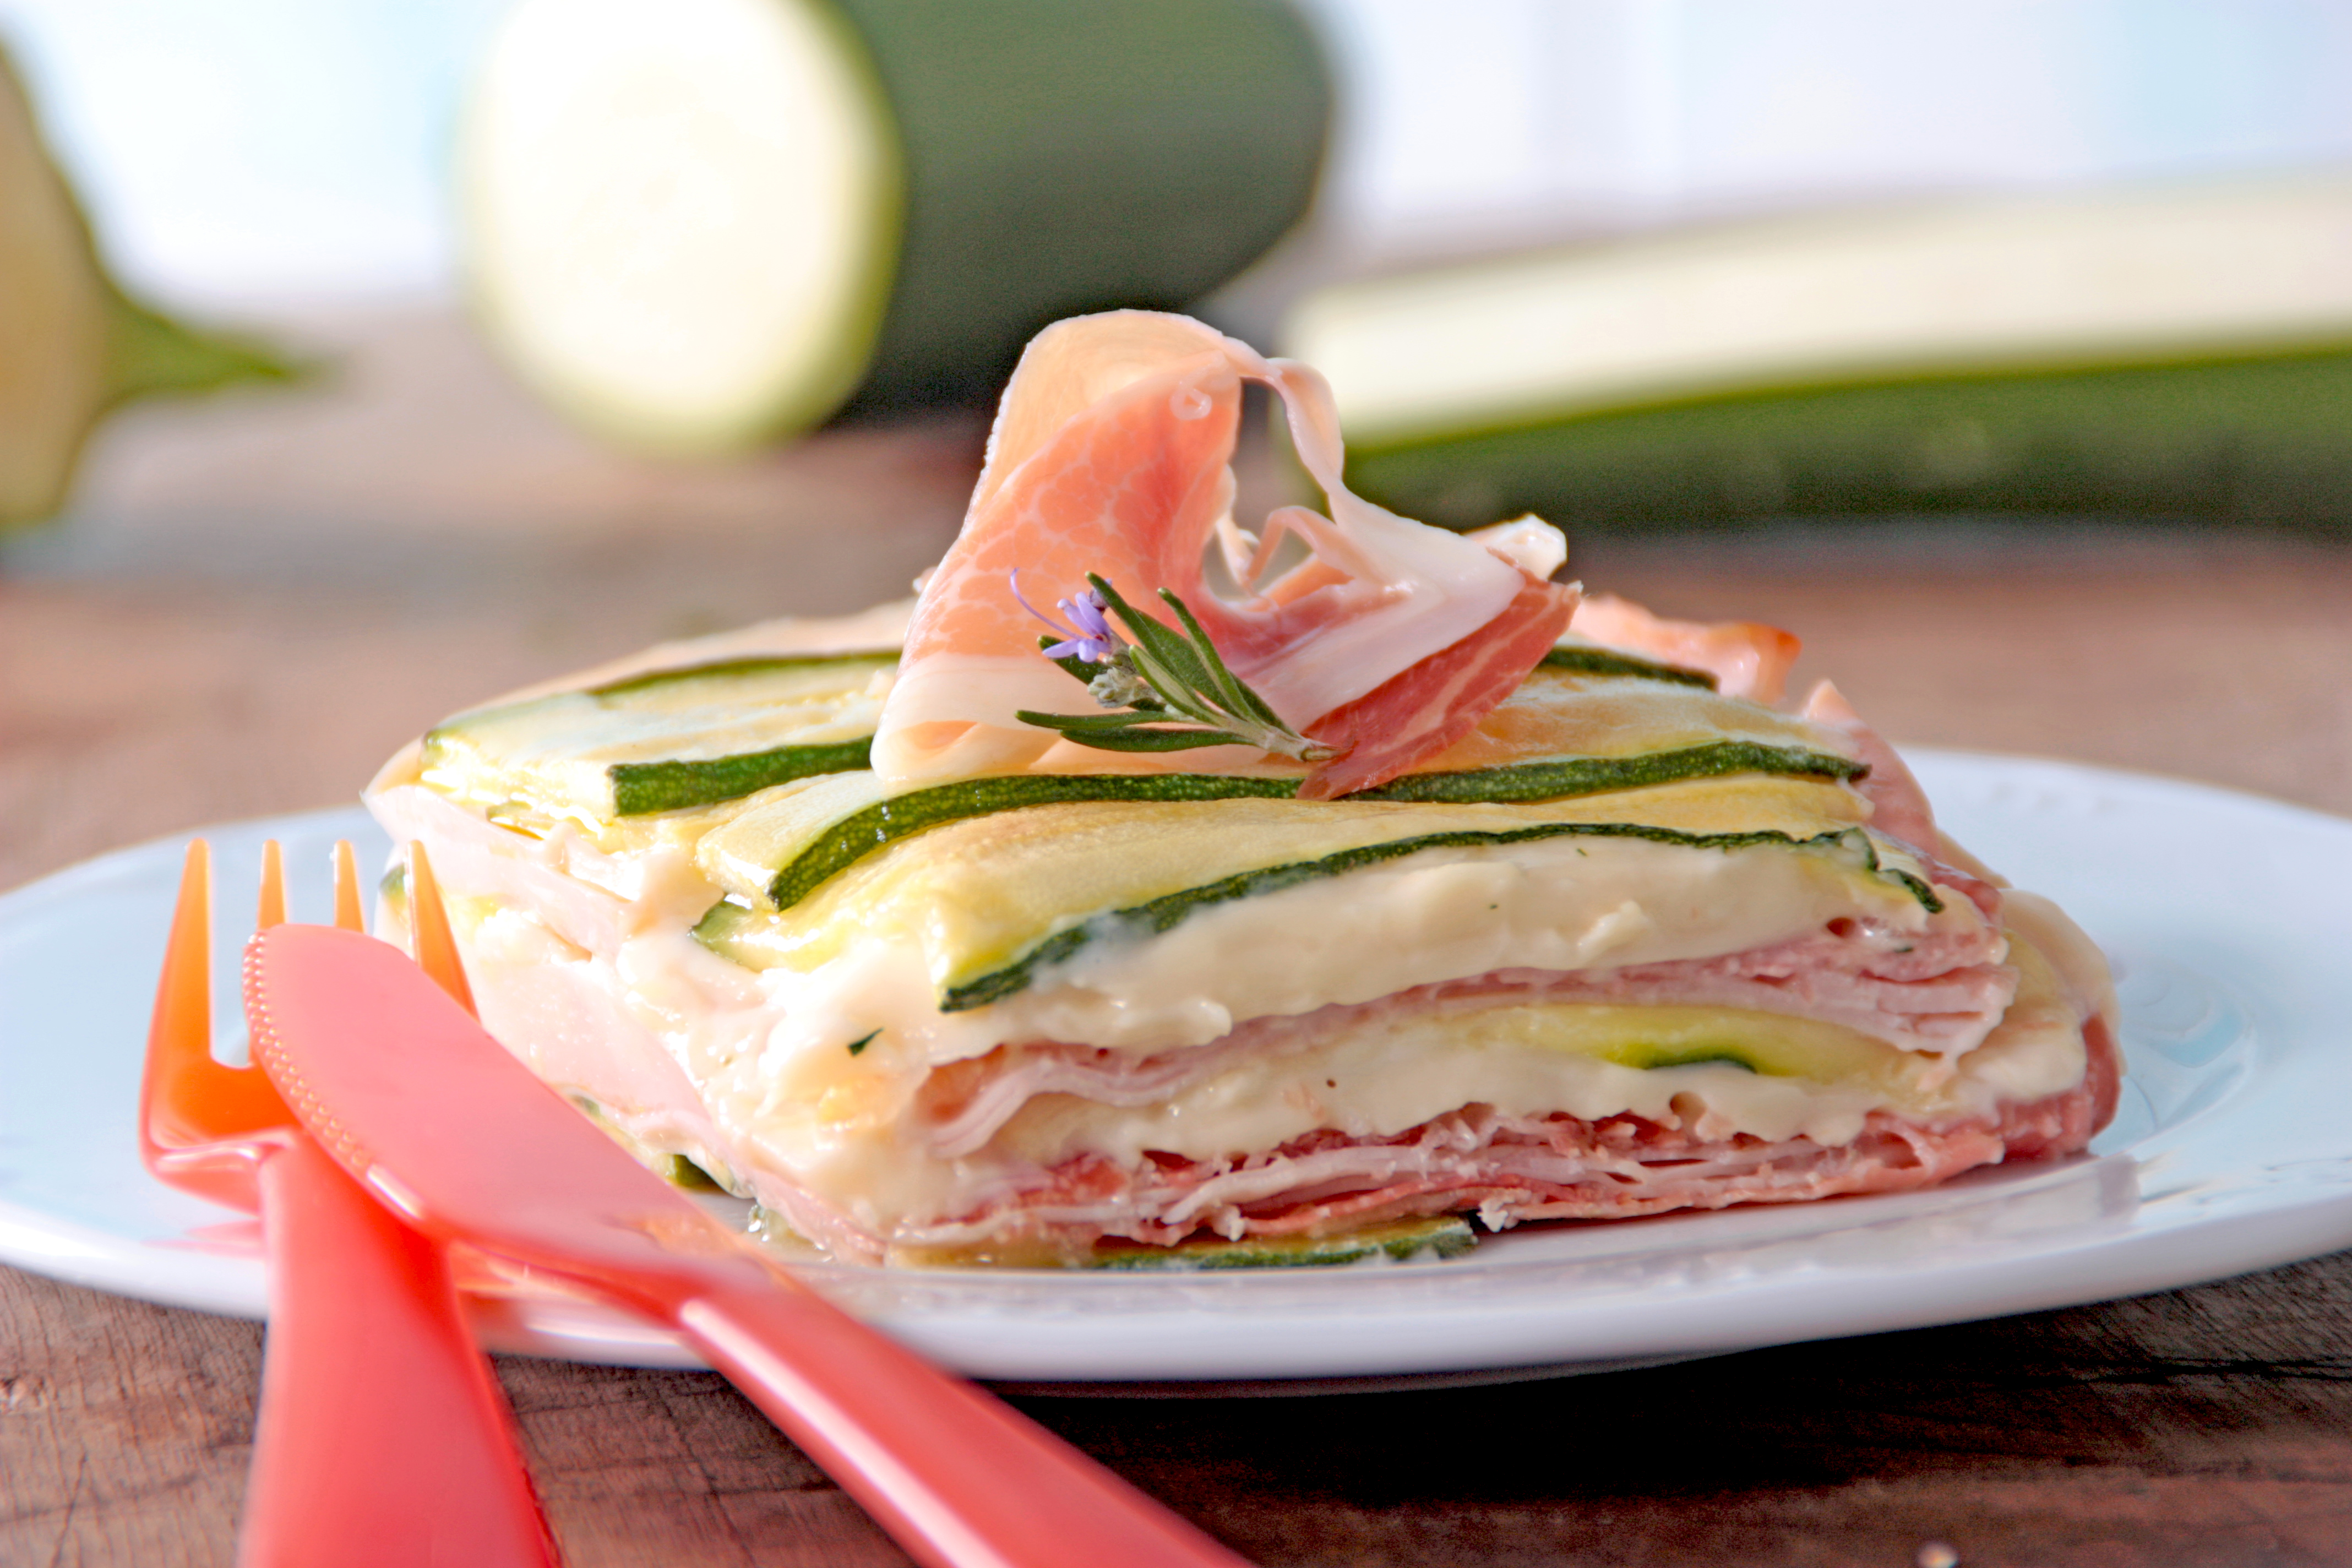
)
(2294, 1223)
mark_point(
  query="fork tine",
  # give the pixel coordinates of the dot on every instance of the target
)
(272, 912)
(347, 888)
(428, 919)
(188, 1100)
(179, 1038)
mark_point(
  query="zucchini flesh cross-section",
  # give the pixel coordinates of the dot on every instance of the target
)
(709, 734)
(1019, 936)
(1436, 1236)
(876, 826)
(1164, 913)
(665, 741)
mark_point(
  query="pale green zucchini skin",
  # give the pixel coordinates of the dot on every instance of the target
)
(678, 783)
(1444, 1236)
(1063, 156)
(705, 712)
(1435, 1237)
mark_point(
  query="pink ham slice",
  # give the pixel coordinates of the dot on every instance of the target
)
(1436, 702)
(1110, 456)
(1898, 805)
(1509, 1168)
(1938, 991)
(1747, 658)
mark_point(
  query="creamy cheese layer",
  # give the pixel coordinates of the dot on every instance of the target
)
(783, 1120)
(1733, 1070)
(752, 1074)
(584, 949)
(1440, 914)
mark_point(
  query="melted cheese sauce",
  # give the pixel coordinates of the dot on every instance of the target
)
(1811, 1079)
(751, 1073)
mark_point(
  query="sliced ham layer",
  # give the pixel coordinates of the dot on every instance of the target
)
(1940, 992)
(1509, 1169)
(1899, 807)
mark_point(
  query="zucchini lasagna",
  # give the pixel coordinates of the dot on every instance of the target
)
(1154, 883)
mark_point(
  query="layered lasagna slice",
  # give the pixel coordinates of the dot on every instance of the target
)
(1397, 883)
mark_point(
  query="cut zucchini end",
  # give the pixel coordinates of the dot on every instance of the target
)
(149, 352)
(52, 318)
(1438, 1235)
(75, 346)
(683, 219)
(681, 1171)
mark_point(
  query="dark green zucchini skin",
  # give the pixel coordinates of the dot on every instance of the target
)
(1561, 778)
(1063, 156)
(1163, 914)
(2258, 439)
(902, 816)
(640, 789)
(876, 827)
(1608, 661)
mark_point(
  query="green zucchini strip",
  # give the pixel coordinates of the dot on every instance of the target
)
(1578, 661)
(1445, 1235)
(1558, 778)
(640, 789)
(543, 750)
(1158, 916)
(876, 827)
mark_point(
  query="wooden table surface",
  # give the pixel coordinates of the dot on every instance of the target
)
(259, 598)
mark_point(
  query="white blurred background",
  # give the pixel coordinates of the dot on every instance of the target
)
(243, 154)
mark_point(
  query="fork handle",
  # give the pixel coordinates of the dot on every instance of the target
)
(383, 1438)
(959, 1479)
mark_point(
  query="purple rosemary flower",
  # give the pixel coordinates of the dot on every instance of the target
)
(1087, 633)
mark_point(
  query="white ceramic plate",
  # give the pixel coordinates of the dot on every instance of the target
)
(2232, 1151)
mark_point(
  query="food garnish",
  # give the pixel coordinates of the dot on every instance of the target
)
(1158, 678)
(1110, 463)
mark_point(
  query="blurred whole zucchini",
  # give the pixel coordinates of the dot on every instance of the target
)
(2168, 351)
(704, 225)
(72, 346)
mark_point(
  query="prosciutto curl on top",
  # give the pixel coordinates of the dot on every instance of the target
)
(1111, 455)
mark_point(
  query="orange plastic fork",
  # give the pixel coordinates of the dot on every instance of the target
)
(383, 1438)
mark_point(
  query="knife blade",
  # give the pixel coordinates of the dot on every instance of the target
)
(421, 1106)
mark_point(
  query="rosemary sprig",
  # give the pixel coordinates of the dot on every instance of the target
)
(1172, 691)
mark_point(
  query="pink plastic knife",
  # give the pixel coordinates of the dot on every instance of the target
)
(409, 1095)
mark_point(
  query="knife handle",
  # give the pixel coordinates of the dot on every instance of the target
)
(959, 1479)
(382, 1436)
